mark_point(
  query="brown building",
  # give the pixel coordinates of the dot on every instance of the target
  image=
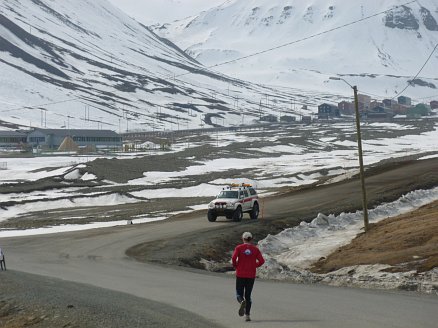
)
(364, 101)
(346, 108)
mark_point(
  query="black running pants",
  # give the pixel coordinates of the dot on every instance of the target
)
(243, 291)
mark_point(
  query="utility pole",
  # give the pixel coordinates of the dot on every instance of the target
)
(68, 121)
(260, 110)
(362, 174)
(359, 146)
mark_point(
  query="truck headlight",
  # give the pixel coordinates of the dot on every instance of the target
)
(211, 205)
(230, 205)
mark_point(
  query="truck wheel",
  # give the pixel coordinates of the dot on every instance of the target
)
(254, 214)
(237, 215)
(211, 216)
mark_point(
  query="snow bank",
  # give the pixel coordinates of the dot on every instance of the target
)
(290, 253)
(300, 246)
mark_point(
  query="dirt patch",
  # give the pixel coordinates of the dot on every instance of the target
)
(406, 242)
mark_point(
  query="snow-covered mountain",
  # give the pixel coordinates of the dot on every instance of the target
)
(86, 64)
(379, 54)
(155, 11)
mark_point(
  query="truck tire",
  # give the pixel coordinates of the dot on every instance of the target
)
(211, 216)
(238, 214)
(254, 214)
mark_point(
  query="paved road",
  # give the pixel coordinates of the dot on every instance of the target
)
(97, 257)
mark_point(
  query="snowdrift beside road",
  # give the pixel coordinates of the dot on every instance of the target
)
(290, 253)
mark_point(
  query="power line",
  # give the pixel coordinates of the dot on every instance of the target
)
(319, 34)
(37, 106)
(303, 39)
(269, 50)
(308, 37)
(416, 75)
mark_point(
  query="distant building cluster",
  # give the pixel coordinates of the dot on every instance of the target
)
(61, 140)
(374, 109)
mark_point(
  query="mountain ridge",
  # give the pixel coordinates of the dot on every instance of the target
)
(86, 64)
(320, 38)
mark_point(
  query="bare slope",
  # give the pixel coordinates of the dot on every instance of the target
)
(406, 242)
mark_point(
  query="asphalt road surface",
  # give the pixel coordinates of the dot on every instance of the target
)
(97, 257)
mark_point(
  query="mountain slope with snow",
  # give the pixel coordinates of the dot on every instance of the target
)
(86, 64)
(379, 54)
(155, 11)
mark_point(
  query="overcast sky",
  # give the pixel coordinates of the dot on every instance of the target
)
(163, 11)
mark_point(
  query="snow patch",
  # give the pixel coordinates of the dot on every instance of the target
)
(290, 253)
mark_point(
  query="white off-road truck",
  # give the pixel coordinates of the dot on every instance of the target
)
(233, 201)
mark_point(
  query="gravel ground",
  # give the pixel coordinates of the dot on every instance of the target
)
(34, 301)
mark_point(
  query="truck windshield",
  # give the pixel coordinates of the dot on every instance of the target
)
(228, 194)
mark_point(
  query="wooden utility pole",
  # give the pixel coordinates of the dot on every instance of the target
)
(359, 146)
(362, 173)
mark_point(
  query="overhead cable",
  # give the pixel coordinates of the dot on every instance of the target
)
(303, 39)
(410, 82)
(37, 106)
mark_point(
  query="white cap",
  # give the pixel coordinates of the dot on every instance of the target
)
(247, 235)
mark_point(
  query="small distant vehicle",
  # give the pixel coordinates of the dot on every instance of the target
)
(233, 201)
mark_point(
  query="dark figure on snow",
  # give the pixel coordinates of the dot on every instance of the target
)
(2, 260)
(246, 259)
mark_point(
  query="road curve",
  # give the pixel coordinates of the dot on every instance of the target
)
(97, 257)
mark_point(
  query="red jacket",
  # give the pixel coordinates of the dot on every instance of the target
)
(246, 259)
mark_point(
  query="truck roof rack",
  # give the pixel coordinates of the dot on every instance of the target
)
(240, 185)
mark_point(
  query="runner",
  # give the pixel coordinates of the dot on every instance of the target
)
(246, 259)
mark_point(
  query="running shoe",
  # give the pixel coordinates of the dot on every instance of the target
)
(242, 308)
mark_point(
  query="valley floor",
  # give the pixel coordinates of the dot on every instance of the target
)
(35, 301)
